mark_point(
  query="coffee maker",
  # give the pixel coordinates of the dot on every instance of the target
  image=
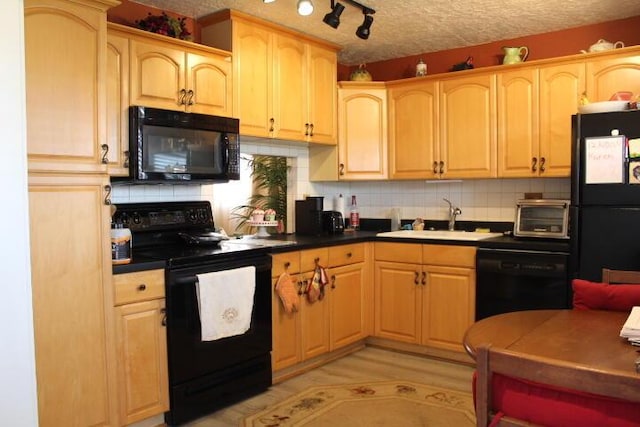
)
(309, 216)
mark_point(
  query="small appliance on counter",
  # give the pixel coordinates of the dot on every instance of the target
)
(309, 216)
(542, 218)
(332, 222)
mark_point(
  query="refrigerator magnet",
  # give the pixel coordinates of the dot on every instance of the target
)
(605, 160)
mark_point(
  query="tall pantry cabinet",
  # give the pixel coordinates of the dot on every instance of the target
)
(65, 55)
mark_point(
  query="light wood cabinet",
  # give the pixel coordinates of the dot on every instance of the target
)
(612, 73)
(468, 127)
(166, 74)
(339, 319)
(71, 285)
(140, 323)
(65, 70)
(414, 141)
(424, 294)
(285, 81)
(117, 81)
(534, 127)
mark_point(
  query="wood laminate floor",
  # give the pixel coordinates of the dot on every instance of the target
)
(368, 364)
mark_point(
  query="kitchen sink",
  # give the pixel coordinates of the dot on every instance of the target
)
(439, 235)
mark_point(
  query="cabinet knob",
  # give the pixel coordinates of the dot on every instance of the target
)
(333, 281)
(341, 167)
(306, 129)
(349, 254)
(142, 287)
(542, 162)
(272, 122)
(311, 127)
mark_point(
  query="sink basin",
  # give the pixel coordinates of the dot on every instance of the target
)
(439, 235)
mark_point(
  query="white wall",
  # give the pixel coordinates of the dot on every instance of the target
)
(18, 401)
(479, 200)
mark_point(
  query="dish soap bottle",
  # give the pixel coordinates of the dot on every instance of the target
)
(354, 215)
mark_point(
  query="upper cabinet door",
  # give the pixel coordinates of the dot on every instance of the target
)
(362, 147)
(323, 94)
(468, 126)
(414, 131)
(157, 75)
(118, 104)
(64, 56)
(209, 77)
(518, 137)
(560, 89)
(252, 77)
(289, 88)
(611, 74)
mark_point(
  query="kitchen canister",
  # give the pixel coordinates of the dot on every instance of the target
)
(120, 244)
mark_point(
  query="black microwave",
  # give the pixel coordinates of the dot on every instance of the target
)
(176, 147)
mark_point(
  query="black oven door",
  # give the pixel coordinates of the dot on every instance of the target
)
(207, 375)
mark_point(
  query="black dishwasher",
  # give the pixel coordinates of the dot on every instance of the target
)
(513, 280)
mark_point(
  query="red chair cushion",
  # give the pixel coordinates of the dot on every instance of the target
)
(603, 296)
(557, 407)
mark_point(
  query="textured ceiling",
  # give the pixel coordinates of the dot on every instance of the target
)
(410, 27)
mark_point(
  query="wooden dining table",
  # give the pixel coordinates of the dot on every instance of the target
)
(584, 337)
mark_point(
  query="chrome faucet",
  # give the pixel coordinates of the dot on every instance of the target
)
(453, 212)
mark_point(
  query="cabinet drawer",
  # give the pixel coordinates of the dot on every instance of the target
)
(289, 262)
(138, 286)
(455, 256)
(309, 258)
(346, 254)
(410, 253)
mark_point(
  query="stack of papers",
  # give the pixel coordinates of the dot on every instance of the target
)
(631, 328)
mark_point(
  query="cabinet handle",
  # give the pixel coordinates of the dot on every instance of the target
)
(107, 196)
(142, 287)
(311, 126)
(190, 98)
(542, 162)
(306, 129)
(333, 281)
(435, 168)
(163, 311)
(424, 278)
(272, 121)
(416, 281)
(183, 94)
(341, 168)
(441, 167)
(105, 152)
(534, 164)
(126, 159)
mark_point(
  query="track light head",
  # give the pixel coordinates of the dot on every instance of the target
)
(332, 18)
(305, 7)
(364, 30)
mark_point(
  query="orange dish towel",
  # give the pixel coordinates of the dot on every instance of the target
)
(287, 292)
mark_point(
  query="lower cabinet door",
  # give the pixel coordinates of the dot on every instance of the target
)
(143, 383)
(347, 316)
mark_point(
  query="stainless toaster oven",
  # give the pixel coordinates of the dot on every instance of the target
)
(543, 218)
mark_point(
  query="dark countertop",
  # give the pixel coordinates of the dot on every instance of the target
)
(310, 242)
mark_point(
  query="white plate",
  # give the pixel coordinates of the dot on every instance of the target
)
(603, 107)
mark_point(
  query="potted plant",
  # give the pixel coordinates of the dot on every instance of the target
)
(269, 177)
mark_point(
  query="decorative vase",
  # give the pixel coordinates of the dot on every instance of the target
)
(360, 75)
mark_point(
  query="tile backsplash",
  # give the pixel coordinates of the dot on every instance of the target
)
(479, 200)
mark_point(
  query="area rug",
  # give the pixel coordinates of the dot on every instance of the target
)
(388, 403)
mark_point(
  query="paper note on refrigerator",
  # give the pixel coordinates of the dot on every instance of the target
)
(604, 160)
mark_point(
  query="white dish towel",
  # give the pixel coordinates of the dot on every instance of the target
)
(225, 302)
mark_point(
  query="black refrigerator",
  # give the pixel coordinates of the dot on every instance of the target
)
(605, 193)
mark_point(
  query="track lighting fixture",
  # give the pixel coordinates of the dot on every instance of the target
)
(332, 18)
(305, 7)
(364, 30)
(268, 1)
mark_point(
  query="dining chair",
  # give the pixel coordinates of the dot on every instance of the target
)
(620, 276)
(515, 389)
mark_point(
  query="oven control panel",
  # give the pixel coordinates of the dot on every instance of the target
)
(164, 216)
